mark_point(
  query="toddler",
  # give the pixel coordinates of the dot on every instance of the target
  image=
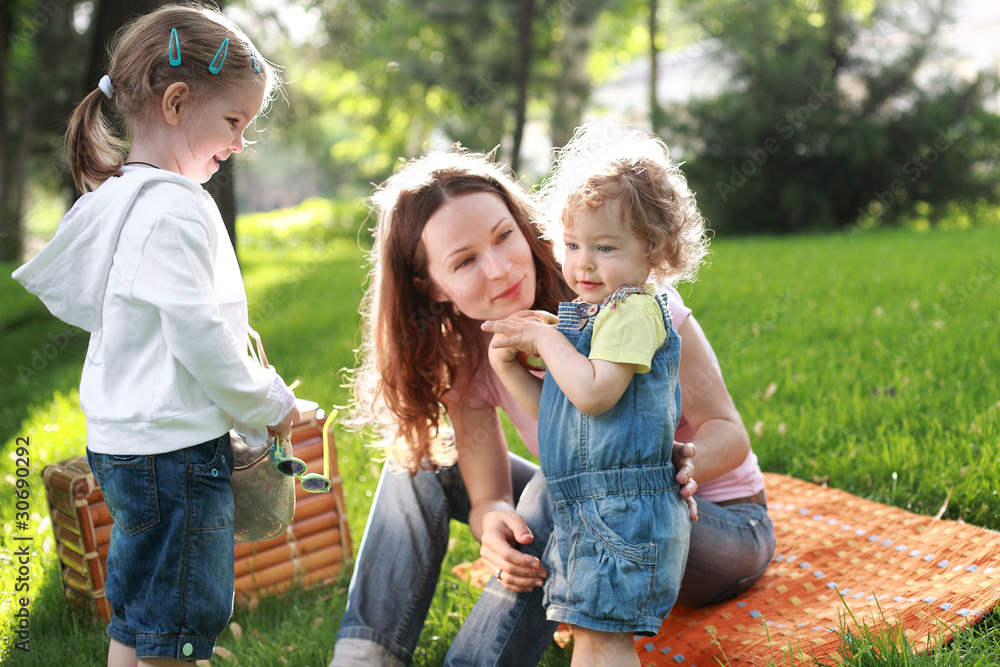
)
(620, 213)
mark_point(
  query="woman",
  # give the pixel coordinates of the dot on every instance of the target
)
(454, 245)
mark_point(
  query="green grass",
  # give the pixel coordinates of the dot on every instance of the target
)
(882, 353)
(866, 361)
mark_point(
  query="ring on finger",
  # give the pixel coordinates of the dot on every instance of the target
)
(497, 575)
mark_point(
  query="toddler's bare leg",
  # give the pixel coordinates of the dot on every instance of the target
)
(120, 655)
(593, 648)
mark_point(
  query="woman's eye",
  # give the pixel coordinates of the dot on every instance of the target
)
(571, 246)
(464, 263)
(505, 235)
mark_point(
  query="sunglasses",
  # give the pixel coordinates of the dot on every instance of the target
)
(294, 467)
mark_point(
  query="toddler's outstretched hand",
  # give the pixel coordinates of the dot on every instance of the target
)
(520, 331)
(500, 352)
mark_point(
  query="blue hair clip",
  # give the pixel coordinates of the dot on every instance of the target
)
(175, 44)
(223, 51)
(255, 63)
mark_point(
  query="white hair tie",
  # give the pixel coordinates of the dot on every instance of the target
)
(105, 85)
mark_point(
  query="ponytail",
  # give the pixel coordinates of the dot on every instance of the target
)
(95, 153)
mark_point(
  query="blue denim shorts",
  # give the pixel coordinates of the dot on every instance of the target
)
(170, 561)
(616, 562)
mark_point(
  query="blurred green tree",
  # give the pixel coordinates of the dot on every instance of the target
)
(52, 52)
(39, 76)
(378, 79)
(392, 77)
(832, 116)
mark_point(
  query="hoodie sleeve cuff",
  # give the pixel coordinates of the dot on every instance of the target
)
(281, 394)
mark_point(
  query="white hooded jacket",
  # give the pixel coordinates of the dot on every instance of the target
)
(144, 263)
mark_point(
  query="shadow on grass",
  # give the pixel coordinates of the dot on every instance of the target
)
(40, 356)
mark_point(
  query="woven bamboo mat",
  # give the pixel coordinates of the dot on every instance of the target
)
(838, 552)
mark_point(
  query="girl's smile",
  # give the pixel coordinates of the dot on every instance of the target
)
(215, 131)
(199, 134)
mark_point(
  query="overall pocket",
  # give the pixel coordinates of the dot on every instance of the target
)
(617, 574)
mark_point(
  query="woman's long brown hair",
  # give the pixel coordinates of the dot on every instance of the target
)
(414, 346)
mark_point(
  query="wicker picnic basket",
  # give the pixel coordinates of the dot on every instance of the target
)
(311, 551)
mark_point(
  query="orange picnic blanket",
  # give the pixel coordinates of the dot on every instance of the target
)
(839, 556)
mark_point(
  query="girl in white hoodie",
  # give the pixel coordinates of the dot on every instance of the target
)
(145, 264)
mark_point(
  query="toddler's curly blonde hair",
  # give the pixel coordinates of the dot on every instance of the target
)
(611, 164)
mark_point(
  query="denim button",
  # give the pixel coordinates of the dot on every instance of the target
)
(215, 473)
(187, 649)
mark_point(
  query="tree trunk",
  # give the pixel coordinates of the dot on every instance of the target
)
(572, 86)
(225, 193)
(654, 73)
(109, 17)
(6, 23)
(10, 212)
(222, 186)
(837, 27)
(526, 42)
(222, 191)
(16, 178)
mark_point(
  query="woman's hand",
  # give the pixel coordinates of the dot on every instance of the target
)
(502, 532)
(485, 466)
(681, 456)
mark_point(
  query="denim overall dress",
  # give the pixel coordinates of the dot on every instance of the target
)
(620, 539)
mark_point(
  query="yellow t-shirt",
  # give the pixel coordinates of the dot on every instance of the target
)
(630, 333)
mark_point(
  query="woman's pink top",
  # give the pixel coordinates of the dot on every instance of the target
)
(486, 390)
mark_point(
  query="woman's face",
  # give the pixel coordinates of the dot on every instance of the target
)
(478, 258)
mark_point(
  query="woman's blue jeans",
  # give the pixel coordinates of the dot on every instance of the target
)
(399, 561)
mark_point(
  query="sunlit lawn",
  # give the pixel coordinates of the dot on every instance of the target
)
(869, 362)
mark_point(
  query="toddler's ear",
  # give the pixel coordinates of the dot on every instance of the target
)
(175, 102)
